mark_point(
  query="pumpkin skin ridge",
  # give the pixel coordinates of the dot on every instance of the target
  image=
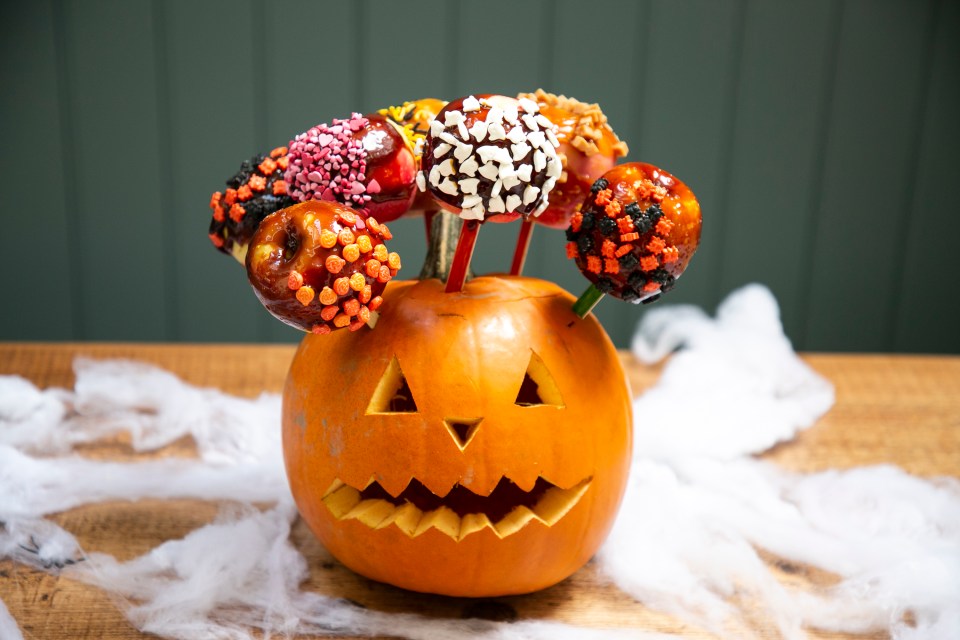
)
(590, 438)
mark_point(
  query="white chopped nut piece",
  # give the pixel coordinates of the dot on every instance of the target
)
(507, 171)
(489, 171)
(511, 181)
(554, 168)
(530, 194)
(494, 116)
(541, 207)
(471, 104)
(513, 202)
(462, 130)
(495, 131)
(503, 156)
(447, 168)
(469, 167)
(510, 114)
(519, 150)
(448, 137)
(470, 201)
(469, 185)
(525, 172)
(462, 152)
(453, 118)
(544, 122)
(495, 190)
(473, 213)
(449, 187)
(441, 150)
(539, 161)
(435, 175)
(421, 181)
(531, 122)
(435, 127)
(495, 205)
(537, 139)
(552, 137)
(418, 147)
(548, 185)
(529, 105)
(516, 135)
(479, 130)
(487, 153)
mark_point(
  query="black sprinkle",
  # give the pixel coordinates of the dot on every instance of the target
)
(585, 244)
(588, 221)
(607, 226)
(629, 295)
(571, 234)
(651, 299)
(637, 280)
(654, 213)
(643, 223)
(605, 285)
(629, 260)
(599, 185)
(632, 209)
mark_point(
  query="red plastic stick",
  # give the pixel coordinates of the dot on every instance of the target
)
(523, 245)
(462, 256)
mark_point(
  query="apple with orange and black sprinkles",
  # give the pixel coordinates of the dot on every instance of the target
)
(320, 266)
(363, 162)
(253, 193)
(634, 235)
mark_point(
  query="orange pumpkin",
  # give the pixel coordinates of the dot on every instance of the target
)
(473, 444)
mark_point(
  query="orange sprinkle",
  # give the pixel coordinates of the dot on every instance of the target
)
(623, 250)
(612, 209)
(218, 213)
(347, 218)
(659, 193)
(329, 313)
(346, 237)
(328, 239)
(283, 162)
(341, 286)
(664, 227)
(356, 325)
(364, 243)
(380, 252)
(334, 264)
(257, 183)
(625, 224)
(351, 252)
(629, 237)
(237, 212)
(341, 320)
(671, 254)
(649, 263)
(230, 197)
(656, 245)
(216, 240)
(279, 151)
(364, 314)
(394, 261)
(608, 248)
(320, 329)
(611, 265)
(571, 250)
(244, 193)
(357, 282)
(594, 264)
(373, 267)
(305, 294)
(327, 296)
(603, 197)
(279, 189)
(651, 286)
(575, 221)
(384, 232)
(294, 280)
(365, 294)
(384, 275)
(215, 199)
(373, 225)
(268, 166)
(351, 307)
(375, 303)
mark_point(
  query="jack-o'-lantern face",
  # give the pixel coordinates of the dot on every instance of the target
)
(475, 443)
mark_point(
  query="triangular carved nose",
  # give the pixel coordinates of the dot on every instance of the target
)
(462, 430)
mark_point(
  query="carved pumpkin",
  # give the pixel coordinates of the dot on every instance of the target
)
(474, 444)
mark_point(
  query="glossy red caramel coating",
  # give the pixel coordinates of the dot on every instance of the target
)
(390, 161)
(640, 272)
(299, 264)
(414, 118)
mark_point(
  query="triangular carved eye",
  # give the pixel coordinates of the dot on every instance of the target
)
(538, 386)
(392, 394)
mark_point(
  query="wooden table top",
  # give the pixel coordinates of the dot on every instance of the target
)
(903, 410)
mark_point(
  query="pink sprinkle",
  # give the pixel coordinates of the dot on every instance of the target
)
(324, 139)
(314, 176)
(373, 186)
(327, 194)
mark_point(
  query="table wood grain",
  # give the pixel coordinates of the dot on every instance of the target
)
(902, 410)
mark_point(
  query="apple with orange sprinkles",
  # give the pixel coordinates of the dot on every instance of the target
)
(634, 234)
(320, 266)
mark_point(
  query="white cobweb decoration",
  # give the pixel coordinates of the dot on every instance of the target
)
(699, 516)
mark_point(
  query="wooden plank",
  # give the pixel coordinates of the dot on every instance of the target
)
(773, 169)
(929, 308)
(867, 175)
(36, 221)
(209, 130)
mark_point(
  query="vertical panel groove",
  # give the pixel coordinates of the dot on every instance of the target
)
(729, 136)
(453, 36)
(259, 51)
(360, 51)
(909, 203)
(165, 164)
(637, 93)
(819, 174)
(61, 45)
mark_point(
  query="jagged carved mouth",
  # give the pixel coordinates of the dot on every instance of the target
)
(461, 512)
